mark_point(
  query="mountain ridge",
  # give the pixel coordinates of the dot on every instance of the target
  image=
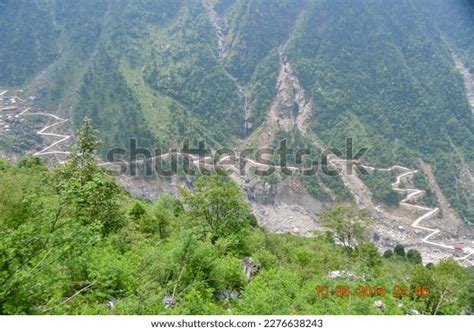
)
(382, 74)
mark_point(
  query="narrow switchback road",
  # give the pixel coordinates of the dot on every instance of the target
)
(408, 201)
(42, 132)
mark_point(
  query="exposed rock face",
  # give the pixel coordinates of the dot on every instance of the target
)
(169, 301)
(221, 27)
(466, 182)
(379, 305)
(284, 207)
(250, 268)
(290, 108)
(446, 211)
(219, 24)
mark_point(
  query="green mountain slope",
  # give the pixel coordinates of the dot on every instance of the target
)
(379, 72)
(28, 34)
(382, 73)
(81, 245)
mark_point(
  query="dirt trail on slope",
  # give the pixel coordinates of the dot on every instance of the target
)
(61, 138)
(292, 108)
(465, 183)
(23, 106)
(419, 216)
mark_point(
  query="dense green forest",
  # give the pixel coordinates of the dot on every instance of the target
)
(388, 84)
(74, 242)
(421, 182)
(379, 72)
(380, 184)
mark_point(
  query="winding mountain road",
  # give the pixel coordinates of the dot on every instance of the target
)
(42, 132)
(408, 201)
(220, 26)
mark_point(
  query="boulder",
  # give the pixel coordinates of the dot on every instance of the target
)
(228, 295)
(111, 304)
(250, 268)
(169, 301)
(379, 305)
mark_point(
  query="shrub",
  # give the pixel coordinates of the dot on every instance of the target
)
(414, 256)
(399, 250)
(388, 253)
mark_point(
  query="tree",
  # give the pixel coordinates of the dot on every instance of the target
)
(217, 203)
(137, 211)
(448, 284)
(31, 162)
(414, 256)
(399, 250)
(348, 224)
(28, 223)
(88, 190)
(166, 211)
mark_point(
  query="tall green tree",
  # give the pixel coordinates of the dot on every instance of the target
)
(448, 285)
(348, 224)
(217, 204)
(89, 190)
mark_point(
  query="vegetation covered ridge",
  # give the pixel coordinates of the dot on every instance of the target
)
(81, 245)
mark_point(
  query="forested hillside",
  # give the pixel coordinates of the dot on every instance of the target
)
(382, 73)
(73, 242)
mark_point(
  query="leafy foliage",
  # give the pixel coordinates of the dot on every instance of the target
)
(382, 74)
(445, 283)
(380, 184)
(28, 40)
(217, 202)
(348, 225)
(88, 190)
(421, 182)
(390, 83)
(56, 260)
(414, 256)
(399, 250)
